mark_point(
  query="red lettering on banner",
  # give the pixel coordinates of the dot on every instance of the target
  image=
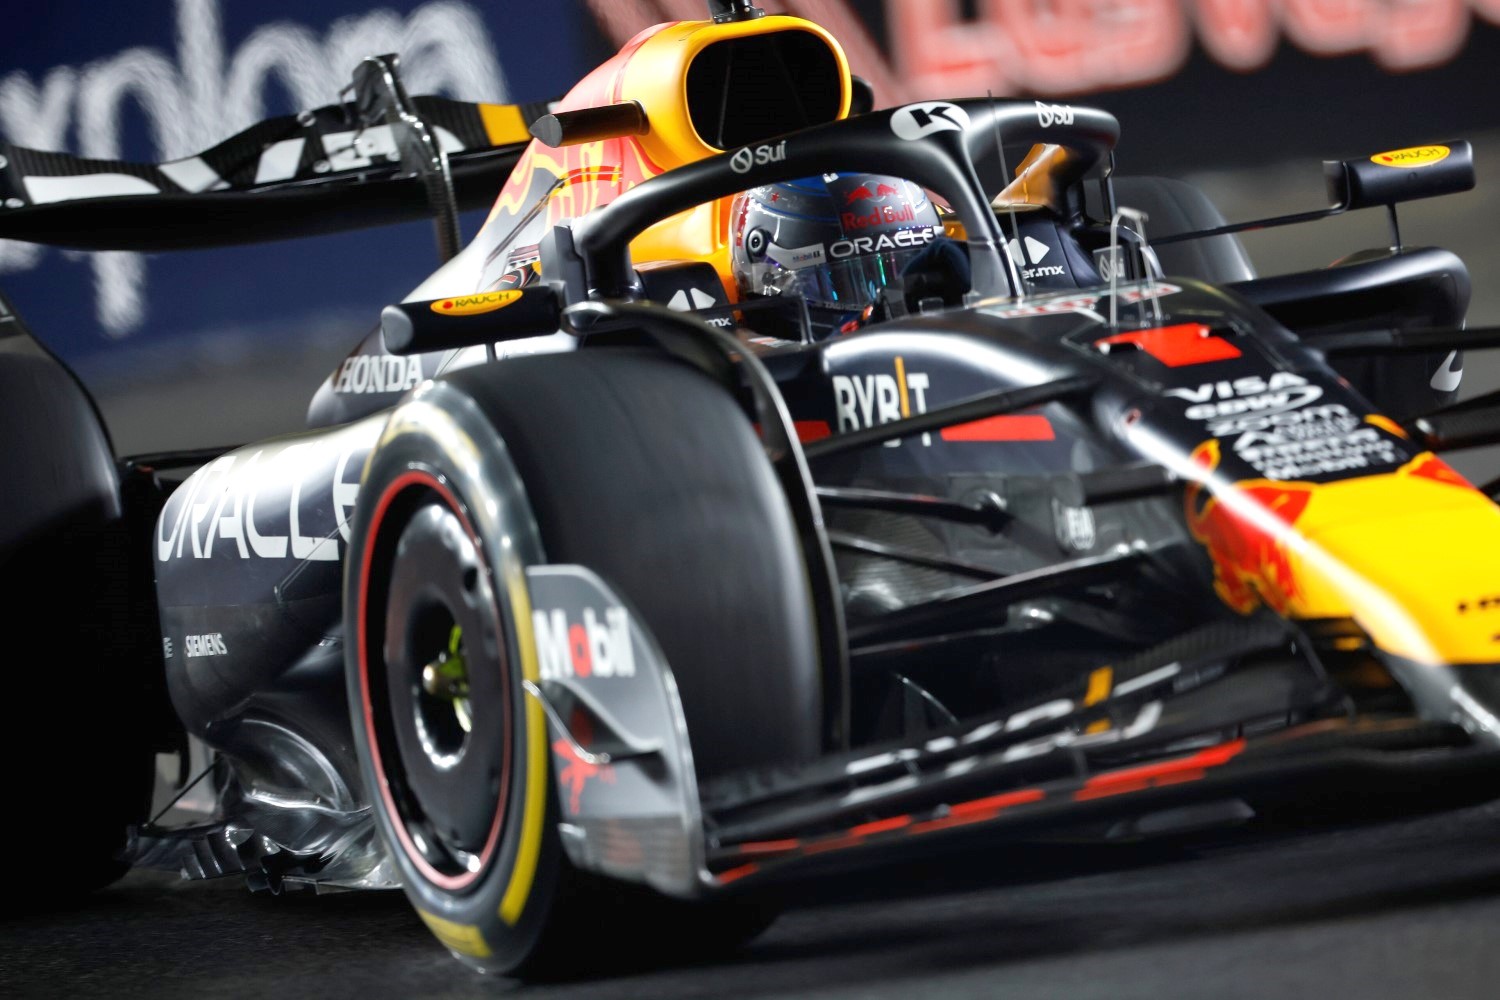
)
(937, 52)
(578, 645)
(1419, 35)
(1137, 42)
(1239, 34)
(1052, 39)
(1330, 27)
(1057, 47)
(1068, 46)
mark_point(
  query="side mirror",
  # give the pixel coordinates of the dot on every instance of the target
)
(612, 121)
(1400, 175)
(1382, 179)
(469, 320)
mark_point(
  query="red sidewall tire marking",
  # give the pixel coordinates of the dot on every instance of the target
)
(452, 883)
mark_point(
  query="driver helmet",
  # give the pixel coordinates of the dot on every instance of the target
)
(835, 240)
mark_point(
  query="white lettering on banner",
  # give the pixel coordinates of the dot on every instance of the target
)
(210, 644)
(757, 156)
(367, 373)
(1048, 115)
(1245, 403)
(218, 503)
(210, 94)
(901, 239)
(869, 400)
(1083, 45)
(590, 648)
(1278, 431)
(918, 121)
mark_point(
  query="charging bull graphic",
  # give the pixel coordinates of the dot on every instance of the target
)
(1251, 564)
(1389, 551)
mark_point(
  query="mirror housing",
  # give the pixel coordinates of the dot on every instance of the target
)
(612, 121)
(1400, 175)
(459, 321)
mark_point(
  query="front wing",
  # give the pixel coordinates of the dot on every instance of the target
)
(1229, 711)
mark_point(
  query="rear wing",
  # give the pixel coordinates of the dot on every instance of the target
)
(379, 158)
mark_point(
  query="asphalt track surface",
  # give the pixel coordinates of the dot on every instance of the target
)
(1406, 908)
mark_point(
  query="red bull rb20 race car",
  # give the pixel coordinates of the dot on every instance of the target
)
(774, 483)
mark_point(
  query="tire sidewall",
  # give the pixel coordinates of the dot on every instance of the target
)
(494, 922)
(644, 470)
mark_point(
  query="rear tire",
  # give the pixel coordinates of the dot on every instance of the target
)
(1176, 206)
(643, 470)
(71, 646)
(1401, 387)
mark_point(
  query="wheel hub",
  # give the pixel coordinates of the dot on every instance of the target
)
(447, 690)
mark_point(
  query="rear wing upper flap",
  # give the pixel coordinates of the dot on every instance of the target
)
(332, 168)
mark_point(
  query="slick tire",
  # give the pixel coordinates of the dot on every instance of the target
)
(1176, 206)
(1401, 387)
(624, 461)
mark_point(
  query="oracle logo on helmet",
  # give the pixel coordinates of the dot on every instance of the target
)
(901, 239)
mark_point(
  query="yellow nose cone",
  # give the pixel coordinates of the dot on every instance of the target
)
(1415, 556)
(1412, 556)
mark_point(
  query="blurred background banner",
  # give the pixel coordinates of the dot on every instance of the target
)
(916, 49)
(1244, 97)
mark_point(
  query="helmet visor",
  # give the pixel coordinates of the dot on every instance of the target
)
(846, 285)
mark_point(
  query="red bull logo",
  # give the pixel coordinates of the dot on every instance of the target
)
(884, 215)
(1246, 537)
(1402, 554)
(577, 772)
(863, 193)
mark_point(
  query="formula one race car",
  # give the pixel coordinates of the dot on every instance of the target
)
(749, 497)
